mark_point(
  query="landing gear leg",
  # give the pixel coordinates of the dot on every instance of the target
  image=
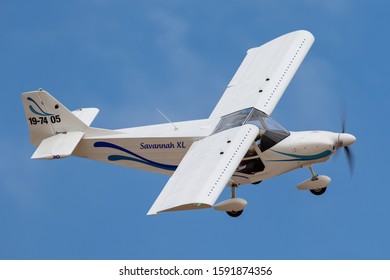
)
(233, 195)
(314, 176)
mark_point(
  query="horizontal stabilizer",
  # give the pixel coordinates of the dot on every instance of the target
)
(58, 146)
(87, 115)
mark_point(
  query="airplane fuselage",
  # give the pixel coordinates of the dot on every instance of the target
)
(160, 149)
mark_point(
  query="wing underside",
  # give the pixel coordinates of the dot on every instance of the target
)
(264, 74)
(205, 170)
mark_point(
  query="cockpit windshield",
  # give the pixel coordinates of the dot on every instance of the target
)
(270, 131)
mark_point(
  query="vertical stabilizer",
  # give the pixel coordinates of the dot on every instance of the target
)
(47, 117)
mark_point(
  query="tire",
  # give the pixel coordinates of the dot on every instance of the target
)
(318, 191)
(234, 214)
(256, 183)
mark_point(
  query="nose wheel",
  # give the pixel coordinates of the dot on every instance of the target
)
(235, 214)
(316, 184)
(315, 177)
(318, 191)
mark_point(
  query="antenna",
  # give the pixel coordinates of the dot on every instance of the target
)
(165, 117)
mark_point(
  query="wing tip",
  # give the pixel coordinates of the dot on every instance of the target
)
(302, 32)
(152, 212)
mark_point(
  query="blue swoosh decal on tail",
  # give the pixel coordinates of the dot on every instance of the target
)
(136, 158)
(43, 113)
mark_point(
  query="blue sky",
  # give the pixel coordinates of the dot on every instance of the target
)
(129, 57)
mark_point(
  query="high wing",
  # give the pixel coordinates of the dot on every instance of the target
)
(264, 74)
(205, 170)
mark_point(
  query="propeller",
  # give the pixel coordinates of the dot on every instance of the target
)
(344, 140)
(350, 159)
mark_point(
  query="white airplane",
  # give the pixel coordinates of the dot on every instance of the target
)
(237, 144)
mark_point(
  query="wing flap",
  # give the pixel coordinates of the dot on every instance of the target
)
(58, 146)
(205, 170)
(264, 74)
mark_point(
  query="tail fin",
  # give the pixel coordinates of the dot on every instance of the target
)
(53, 128)
(47, 117)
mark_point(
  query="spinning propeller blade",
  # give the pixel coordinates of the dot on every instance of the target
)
(350, 158)
(344, 140)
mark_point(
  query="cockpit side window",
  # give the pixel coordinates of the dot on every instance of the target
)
(270, 133)
(232, 120)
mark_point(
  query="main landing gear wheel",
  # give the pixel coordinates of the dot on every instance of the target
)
(235, 214)
(233, 206)
(318, 191)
